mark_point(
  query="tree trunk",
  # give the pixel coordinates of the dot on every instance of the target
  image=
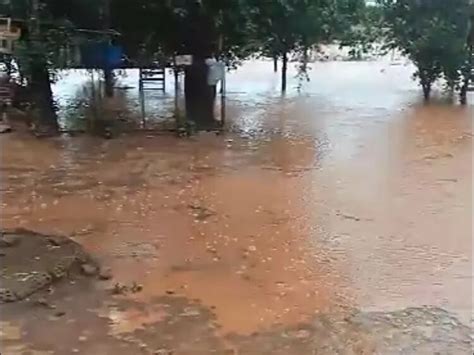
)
(275, 63)
(200, 40)
(284, 70)
(427, 92)
(468, 71)
(199, 96)
(42, 94)
(46, 120)
(426, 86)
(109, 82)
(463, 92)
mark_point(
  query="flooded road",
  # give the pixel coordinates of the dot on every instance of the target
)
(348, 194)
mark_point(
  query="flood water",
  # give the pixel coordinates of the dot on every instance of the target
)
(349, 193)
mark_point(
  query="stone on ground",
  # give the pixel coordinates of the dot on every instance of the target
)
(33, 261)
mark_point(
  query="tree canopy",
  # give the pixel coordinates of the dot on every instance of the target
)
(432, 34)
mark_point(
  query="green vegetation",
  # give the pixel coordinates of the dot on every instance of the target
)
(48, 26)
(431, 33)
(279, 28)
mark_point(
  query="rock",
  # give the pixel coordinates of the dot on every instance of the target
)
(119, 289)
(55, 242)
(170, 292)
(105, 274)
(7, 296)
(4, 128)
(59, 314)
(136, 288)
(190, 312)
(42, 302)
(89, 269)
(301, 334)
(9, 240)
(163, 352)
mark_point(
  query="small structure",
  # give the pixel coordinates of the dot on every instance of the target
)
(9, 34)
(100, 55)
(152, 79)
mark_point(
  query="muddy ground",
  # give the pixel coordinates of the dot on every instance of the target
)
(335, 220)
(32, 262)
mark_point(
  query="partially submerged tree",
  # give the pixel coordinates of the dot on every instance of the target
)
(296, 27)
(359, 27)
(432, 33)
(155, 31)
(284, 27)
(467, 71)
(48, 26)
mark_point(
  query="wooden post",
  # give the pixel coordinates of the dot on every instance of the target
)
(223, 83)
(141, 96)
(177, 114)
(94, 103)
(140, 81)
(223, 99)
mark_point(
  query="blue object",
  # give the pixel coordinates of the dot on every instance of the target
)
(101, 56)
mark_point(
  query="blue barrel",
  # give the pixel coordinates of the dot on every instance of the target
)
(101, 55)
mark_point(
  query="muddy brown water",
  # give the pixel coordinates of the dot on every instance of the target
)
(348, 194)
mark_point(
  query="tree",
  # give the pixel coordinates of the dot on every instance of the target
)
(283, 27)
(358, 26)
(48, 26)
(155, 31)
(148, 29)
(467, 71)
(432, 33)
(32, 58)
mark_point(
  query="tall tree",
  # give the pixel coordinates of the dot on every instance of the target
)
(157, 30)
(48, 26)
(432, 33)
(358, 26)
(284, 27)
(467, 71)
